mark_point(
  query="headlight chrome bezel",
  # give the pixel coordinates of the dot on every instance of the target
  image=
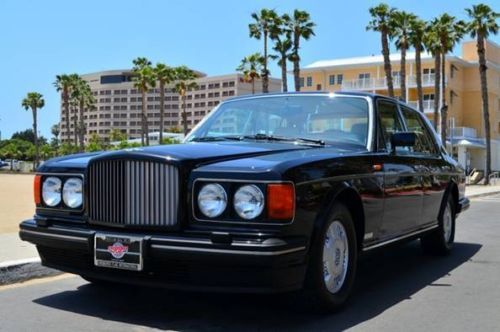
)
(61, 206)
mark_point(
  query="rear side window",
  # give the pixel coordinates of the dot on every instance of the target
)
(424, 144)
(389, 122)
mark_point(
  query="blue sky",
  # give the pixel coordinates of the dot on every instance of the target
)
(40, 39)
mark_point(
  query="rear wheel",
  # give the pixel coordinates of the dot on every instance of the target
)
(332, 267)
(441, 240)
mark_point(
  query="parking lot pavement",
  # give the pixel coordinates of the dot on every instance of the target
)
(398, 289)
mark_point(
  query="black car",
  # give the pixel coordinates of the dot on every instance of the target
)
(268, 193)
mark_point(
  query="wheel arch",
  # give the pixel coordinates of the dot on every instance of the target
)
(451, 190)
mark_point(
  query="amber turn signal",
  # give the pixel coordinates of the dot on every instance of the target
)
(280, 201)
(37, 189)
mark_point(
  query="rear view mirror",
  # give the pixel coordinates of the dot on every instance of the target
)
(403, 139)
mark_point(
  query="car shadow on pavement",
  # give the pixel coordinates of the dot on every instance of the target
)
(385, 278)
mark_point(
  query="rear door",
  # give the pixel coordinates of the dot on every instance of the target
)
(402, 177)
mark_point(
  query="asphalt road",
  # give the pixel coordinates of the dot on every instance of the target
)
(398, 289)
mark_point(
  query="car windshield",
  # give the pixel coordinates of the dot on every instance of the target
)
(300, 118)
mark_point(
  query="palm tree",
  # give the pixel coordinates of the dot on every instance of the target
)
(84, 99)
(433, 45)
(416, 36)
(262, 29)
(380, 22)
(251, 67)
(401, 25)
(164, 75)
(301, 27)
(63, 84)
(449, 32)
(483, 22)
(34, 101)
(144, 79)
(281, 35)
(184, 82)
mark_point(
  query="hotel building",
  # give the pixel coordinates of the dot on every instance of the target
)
(463, 93)
(118, 102)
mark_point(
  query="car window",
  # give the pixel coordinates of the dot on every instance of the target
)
(414, 123)
(390, 122)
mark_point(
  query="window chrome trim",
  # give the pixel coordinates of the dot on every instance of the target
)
(64, 208)
(243, 222)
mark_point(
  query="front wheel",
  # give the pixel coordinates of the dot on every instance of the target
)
(333, 262)
(441, 240)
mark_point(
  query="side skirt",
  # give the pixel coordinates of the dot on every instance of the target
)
(400, 238)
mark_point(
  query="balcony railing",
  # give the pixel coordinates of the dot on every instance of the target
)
(381, 83)
(464, 132)
(428, 105)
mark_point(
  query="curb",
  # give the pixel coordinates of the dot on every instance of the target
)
(482, 194)
(23, 270)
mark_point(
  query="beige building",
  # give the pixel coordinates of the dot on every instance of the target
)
(118, 102)
(463, 92)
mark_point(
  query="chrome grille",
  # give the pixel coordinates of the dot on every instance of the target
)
(133, 193)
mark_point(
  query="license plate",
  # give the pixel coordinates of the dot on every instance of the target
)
(118, 251)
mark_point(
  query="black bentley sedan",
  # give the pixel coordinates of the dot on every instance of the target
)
(268, 193)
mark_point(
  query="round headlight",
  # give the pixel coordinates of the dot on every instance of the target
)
(249, 201)
(51, 191)
(212, 200)
(73, 192)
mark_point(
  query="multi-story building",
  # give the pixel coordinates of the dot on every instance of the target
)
(118, 102)
(463, 93)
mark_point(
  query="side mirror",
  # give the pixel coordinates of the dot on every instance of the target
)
(402, 139)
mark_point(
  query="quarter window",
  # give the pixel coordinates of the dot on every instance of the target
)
(423, 144)
(390, 123)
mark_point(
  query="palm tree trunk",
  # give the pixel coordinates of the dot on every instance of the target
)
(437, 69)
(162, 108)
(296, 61)
(283, 73)
(253, 85)
(144, 134)
(81, 126)
(75, 126)
(418, 64)
(486, 113)
(444, 107)
(387, 64)
(184, 115)
(265, 76)
(35, 134)
(66, 111)
(402, 76)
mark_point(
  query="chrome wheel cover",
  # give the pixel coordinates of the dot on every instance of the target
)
(447, 223)
(335, 257)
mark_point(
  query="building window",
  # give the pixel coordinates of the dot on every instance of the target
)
(318, 87)
(364, 76)
(340, 78)
(332, 79)
(309, 81)
(301, 82)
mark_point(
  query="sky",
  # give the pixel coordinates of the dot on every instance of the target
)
(40, 39)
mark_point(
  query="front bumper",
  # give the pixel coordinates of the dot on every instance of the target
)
(187, 263)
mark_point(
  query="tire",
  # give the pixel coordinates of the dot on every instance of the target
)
(331, 273)
(440, 241)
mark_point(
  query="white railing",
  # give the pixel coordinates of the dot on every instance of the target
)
(381, 83)
(428, 105)
(464, 132)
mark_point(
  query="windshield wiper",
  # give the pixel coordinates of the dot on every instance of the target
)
(216, 138)
(283, 138)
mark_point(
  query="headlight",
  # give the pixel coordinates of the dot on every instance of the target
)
(73, 192)
(51, 191)
(249, 201)
(212, 200)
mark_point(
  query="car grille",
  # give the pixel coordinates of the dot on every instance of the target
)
(133, 193)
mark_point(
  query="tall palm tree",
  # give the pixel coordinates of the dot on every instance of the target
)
(281, 35)
(449, 32)
(483, 21)
(251, 67)
(416, 36)
(34, 101)
(433, 45)
(301, 27)
(261, 29)
(164, 75)
(380, 22)
(184, 78)
(63, 84)
(144, 79)
(401, 25)
(84, 99)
